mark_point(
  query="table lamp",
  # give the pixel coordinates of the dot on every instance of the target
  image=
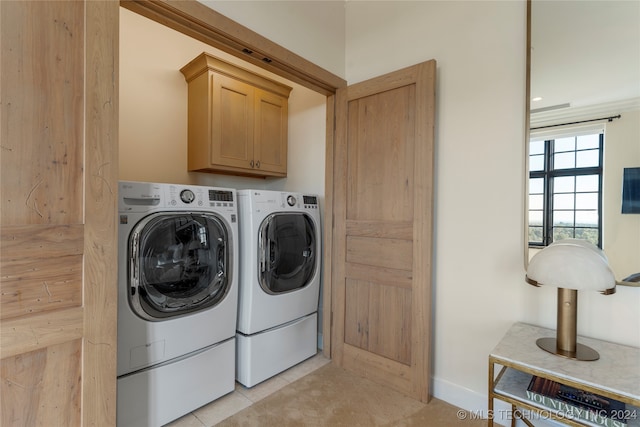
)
(571, 265)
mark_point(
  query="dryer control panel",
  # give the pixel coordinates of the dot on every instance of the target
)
(310, 202)
(265, 201)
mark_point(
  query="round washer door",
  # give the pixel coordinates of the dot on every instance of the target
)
(178, 263)
(287, 252)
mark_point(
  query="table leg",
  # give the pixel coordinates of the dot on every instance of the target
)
(490, 396)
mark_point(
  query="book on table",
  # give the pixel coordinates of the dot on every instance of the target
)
(577, 404)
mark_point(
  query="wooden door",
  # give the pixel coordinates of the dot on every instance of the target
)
(271, 133)
(382, 232)
(58, 237)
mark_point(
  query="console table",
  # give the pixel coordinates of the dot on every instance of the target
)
(517, 359)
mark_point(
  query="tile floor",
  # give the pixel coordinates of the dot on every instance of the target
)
(242, 397)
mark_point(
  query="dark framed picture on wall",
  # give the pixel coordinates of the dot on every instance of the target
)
(631, 191)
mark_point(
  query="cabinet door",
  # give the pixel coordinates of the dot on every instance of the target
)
(232, 119)
(271, 118)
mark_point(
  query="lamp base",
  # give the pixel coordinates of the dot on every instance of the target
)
(582, 351)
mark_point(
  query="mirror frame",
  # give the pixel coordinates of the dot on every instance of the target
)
(527, 136)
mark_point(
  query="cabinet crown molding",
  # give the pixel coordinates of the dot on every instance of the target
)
(206, 62)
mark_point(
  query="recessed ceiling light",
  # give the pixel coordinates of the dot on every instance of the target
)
(536, 99)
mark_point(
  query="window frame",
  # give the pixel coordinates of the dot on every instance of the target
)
(549, 174)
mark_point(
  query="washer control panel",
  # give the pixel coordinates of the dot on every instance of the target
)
(147, 197)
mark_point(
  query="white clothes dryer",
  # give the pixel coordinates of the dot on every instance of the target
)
(280, 258)
(177, 299)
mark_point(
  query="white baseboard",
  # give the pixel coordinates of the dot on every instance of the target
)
(477, 404)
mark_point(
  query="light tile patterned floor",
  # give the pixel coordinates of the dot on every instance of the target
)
(242, 397)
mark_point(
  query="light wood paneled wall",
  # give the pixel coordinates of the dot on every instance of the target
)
(57, 228)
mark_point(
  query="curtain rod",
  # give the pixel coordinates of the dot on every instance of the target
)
(609, 119)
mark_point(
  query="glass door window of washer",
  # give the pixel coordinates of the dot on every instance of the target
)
(287, 252)
(179, 263)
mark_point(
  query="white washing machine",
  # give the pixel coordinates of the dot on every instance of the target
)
(280, 254)
(177, 299)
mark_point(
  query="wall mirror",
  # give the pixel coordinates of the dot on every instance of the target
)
(584, 74)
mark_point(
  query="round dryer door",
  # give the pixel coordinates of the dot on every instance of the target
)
(179, 263)
(287, 252)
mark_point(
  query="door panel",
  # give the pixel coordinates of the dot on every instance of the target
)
(386, 252)
(382, 233)
(380, 143)
(28, 401)
(44, 270)
(35, 71)
(372, 315)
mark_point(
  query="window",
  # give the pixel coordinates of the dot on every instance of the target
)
(565, 183)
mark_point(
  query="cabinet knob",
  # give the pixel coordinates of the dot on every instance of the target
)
(251, 163)
(258, 164)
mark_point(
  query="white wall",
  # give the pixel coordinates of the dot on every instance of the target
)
(313, 29)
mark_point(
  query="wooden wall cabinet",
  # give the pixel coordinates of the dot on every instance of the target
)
(237, 120)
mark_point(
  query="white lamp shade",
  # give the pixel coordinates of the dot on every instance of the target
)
(571, 264)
